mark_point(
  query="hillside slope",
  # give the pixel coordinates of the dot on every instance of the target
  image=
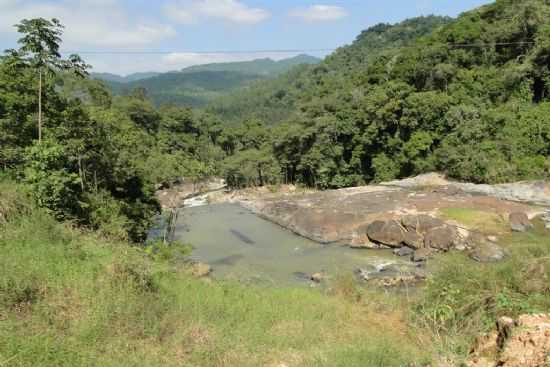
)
(265, 67)
(471, 98)
(275, 100)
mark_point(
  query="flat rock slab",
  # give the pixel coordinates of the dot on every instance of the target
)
(534, 192)
(341, 215)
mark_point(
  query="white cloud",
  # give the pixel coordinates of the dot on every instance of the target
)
(192, 11)
(319, 13)
(88, 22)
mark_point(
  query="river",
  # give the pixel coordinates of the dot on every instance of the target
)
(244, 247)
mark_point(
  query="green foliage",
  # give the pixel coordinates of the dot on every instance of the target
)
(51, 184)
(464, 298)
(467, 96)
(168, 252)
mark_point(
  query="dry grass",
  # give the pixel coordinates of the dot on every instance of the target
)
(483, 221)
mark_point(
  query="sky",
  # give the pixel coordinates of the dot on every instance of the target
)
(127, 36)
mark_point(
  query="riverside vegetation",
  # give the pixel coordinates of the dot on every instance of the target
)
(76, 199)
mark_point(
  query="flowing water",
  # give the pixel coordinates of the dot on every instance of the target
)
(242, 246)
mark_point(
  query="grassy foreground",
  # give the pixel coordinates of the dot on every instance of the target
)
(73, 299)
(70, 299)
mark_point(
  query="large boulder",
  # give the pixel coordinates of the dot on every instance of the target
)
(413, 240)
(388, 233)
(441, 238)
(519, 222)
(421, 223)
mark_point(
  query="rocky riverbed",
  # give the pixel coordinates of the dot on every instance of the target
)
(410, 216)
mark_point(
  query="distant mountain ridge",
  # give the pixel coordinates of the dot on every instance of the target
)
(196, 86)
(109, 77)
(265, 67)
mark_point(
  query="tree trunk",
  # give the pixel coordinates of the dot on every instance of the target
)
(40, 105)
(81, 172)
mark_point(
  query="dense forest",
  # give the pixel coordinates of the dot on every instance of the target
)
(469, 97)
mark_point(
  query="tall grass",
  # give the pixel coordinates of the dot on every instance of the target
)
(463, 299)
(70, 299)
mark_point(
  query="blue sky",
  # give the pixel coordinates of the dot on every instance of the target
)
(185, 28)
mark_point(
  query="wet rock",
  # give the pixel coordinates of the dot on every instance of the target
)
(421, 223)
(487, 252)
(519, 222)
(441, 238)
(200, 270)
(398, 280)
(317, 277)
(363, 274)
(388, 233)
(363, 242)
(403, 251)
(413, 240)
(523, 342)
(392, 274)
(422, 255)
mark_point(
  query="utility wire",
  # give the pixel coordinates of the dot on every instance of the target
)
(145, 52)
(115, 52)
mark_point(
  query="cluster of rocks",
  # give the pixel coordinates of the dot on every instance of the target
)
(415, 236)
(392, 275)
(420, 236)
(523, 342)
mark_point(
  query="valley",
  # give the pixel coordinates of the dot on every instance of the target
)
(386, 206)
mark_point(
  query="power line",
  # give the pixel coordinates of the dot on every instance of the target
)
(118, 52)
(236, 52)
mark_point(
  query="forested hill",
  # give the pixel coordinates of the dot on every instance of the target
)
(197, 85)
(470, 98)
(274, 100)
(265, 67)
(109, 77)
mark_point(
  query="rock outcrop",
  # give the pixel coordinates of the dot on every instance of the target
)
(534, 192)
(524, 342)
(389, 233)
(341, 216)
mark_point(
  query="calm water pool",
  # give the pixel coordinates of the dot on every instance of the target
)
(242, 246)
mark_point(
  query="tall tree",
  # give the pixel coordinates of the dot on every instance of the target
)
(40, 50)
